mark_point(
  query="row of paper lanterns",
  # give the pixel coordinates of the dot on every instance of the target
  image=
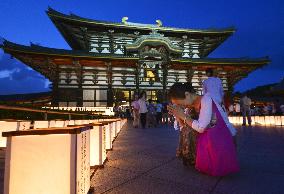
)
(260, 120)
(101, 135)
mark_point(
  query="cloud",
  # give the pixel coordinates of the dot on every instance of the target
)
(29, 85)
(16, 77)
(7, 63)
(5, 73)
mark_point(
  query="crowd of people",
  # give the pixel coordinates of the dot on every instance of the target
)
(148, 113)
(268, 108)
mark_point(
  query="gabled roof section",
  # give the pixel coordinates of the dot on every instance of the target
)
(154, 38)
(77, 31)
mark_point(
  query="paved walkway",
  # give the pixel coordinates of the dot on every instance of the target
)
(143, 161)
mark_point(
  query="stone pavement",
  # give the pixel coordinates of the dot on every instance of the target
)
(143, 161)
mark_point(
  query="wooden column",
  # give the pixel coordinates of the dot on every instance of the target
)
(79, 74)
(109, 90)
(55, 93)
(111, 41)
(137, 77)
(189, 75)
(165, 75)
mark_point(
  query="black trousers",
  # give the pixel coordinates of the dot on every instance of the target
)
(143, 119)
(159, 117)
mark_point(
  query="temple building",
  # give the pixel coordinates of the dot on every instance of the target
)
(109, 61)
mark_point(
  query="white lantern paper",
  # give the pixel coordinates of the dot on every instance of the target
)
(272, 120)
(54, 161)
(12, 126)
(253, 120)
(256, 120)
(41, 124)
(71, 122)
(78, 122)
(278, 121)
(261, 120)
(239, 120)
(108, 134)
(97, 144)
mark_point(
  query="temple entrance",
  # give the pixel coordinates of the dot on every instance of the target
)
(155, 95)
(123, 97)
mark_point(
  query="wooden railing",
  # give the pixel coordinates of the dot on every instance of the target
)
(16, 112)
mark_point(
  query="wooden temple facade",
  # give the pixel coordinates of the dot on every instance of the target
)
(109, 62)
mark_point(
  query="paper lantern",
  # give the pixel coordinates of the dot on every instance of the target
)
(97, 145)
(12, 126)
(256, 120)
(253, 120)
(78, 122)
(272, 120)
(231, 119)
(41, 124)
(261, 120)
(49, 161)
(278, 121)
(108, 133)
(239, 120)
(71, 122)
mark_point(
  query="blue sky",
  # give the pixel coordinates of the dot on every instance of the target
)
(260, 29)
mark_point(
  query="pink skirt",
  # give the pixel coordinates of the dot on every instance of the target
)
(216, 152)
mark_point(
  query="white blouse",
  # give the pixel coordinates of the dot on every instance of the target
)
(205, 115)
(142, 106)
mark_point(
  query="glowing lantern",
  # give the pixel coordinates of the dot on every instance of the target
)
(41, 124)
(272, 120)
(108, 133)
(97, 144)
(52, 123)
(71, 122)
(51, 160)
(278, 121)
(239, 120)
(256, 120)
(253, 120)
(12, 126)
(261, 120)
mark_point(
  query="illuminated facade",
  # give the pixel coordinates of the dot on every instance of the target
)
(109, 62)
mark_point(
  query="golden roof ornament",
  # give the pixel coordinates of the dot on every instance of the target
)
(159, 23)
(124, 20)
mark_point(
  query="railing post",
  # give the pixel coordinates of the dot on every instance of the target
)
(45, 116)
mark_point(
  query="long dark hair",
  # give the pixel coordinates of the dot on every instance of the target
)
(141, 94)
(177, 91)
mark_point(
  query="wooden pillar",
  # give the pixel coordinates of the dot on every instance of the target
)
(45, 116)
(137, 77)
(55, 93)
(189, 75)
(79, 74)
(111, 42)
(165, 75)
(109, 90)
